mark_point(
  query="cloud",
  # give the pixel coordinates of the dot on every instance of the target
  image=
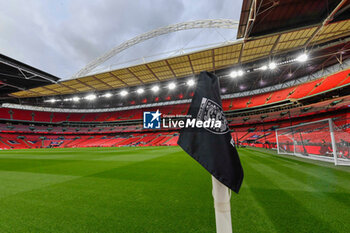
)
(62, 36)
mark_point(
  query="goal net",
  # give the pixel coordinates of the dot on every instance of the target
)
(319, 140)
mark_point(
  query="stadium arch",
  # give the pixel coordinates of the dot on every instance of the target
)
(206, 23)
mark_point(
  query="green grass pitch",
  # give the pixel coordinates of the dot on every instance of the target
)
(162, 189)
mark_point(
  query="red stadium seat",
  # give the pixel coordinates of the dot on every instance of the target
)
(331, 82)
(304, 89)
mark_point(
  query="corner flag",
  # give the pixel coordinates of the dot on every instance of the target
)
(212, 147)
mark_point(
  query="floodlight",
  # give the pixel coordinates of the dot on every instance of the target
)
(272, 66)
(302, 58)
(240, 72)
(140, 90)
(155, 88)
(263, 67)
(171, 86)
(190, 82)
(108, 95)
(90, 97)
(75, 99)
(233, 74)
(123, 93)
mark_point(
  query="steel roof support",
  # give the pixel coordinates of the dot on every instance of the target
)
(207, 23)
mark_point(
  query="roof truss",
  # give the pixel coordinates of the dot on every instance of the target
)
(217, 58)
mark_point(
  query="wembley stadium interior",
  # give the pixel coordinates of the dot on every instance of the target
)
(289, 65)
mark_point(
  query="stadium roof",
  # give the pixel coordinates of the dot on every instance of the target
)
(15, 76)
(190, 64)
(261, 17)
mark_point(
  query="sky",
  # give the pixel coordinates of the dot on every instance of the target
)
(62, 36)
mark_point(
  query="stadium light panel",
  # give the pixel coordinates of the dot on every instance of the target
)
(52, 100)
(190, 82)
(233, 74)
(272, 66)
(90, 97)
(75, 99)
(302, 58)
(171, 86)
(237, 73)
(108, 95)
(155, 88)
(263, 67)
(123, 93)
(140, 91)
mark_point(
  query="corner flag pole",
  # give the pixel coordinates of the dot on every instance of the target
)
(213, 147)
(222, 196)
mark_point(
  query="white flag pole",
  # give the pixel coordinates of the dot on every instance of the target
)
(222, 196)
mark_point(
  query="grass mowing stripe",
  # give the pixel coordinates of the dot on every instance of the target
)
(262, 154)
(330, 200)
(287, 157)
(17, 182)
(325, 188)
(281, 178)
(136, 156)
(327, 176)
(284, 176)
(252, 219)
(287, 214)
(66, 155)
(91, 204)
(165, 190)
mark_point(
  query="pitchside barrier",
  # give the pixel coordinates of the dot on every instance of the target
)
(319, 140)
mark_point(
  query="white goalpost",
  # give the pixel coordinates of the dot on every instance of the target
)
(319, 140)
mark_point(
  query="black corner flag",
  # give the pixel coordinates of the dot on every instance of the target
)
(213, 146)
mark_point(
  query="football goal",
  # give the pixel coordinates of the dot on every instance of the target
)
(319, 140)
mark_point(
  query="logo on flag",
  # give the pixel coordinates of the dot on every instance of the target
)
(151, 120)
(210, 110)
